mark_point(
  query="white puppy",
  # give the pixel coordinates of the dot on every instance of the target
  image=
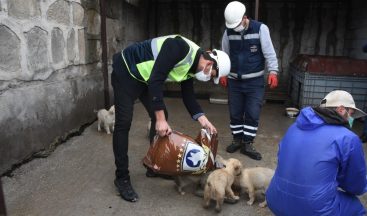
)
(107, 118)
(252, 179)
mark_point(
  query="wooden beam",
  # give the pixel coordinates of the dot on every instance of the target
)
(104, 54)
(2, 201)
(257, 10)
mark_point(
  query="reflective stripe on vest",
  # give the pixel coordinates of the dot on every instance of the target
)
(128, 68)
(246, 37)
(180, 70)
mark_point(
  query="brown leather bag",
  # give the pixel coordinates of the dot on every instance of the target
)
(179, 154)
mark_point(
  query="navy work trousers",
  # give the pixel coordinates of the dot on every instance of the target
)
(245, 98)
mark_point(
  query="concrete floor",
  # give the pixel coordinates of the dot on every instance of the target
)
(77, 178)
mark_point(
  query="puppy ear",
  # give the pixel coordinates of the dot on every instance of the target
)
(220, 162)
(112, 109)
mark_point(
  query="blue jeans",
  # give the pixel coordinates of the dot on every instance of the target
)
(245, 99)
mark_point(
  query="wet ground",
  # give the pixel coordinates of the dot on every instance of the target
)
(77, 178)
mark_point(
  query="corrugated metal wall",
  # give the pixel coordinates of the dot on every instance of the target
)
(356, 29)
(324, 27)
(307, 27)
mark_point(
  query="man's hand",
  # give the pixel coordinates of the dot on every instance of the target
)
(205, 123)
(223, 81)
(272, 80)
(162, 128)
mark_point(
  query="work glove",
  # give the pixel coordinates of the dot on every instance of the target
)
(223, 81)
(272, 80)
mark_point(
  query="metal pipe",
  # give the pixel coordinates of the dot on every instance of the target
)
(104, 54)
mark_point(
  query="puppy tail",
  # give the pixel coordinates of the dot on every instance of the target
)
(208, 186)
(207, 194)
(95, 111)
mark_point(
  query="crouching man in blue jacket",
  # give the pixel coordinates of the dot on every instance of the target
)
(321, 165)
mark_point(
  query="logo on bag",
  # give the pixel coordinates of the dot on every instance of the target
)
(194, 158)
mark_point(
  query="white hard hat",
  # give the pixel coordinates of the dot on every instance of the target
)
(233, 14)
(223, 64)
(338, 98)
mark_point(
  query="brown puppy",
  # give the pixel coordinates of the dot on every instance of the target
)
(252, 179)
(219, 183)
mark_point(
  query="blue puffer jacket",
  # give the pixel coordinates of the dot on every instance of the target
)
(316, 161)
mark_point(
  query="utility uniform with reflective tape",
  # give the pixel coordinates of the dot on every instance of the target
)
(248, 50)
(139, 72)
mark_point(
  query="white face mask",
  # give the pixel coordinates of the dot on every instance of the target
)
(239, 28)
(201, 76)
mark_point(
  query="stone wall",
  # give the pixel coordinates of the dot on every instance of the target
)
(50, 75)
(50, 70)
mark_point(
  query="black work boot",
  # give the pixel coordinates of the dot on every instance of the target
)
(126, 190)
(249, 150)
(235, 145)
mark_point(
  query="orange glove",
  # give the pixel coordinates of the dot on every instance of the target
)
(223, 81)
(273, 80)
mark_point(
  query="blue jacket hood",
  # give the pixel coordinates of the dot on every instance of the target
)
(308, 119)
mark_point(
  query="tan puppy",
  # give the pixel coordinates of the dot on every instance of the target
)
(252, 179)
(198, 181)
(219, 183)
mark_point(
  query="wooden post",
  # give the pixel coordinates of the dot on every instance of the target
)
(2, 201)
(257, 10)
(104, 54)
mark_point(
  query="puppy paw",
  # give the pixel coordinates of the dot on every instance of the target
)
(182, 193)
(250, 202)
(236, 197)
(262, 205)
(205, 205)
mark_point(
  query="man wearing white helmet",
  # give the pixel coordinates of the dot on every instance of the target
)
(249, 46)
(139, 72)
(321, 165)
